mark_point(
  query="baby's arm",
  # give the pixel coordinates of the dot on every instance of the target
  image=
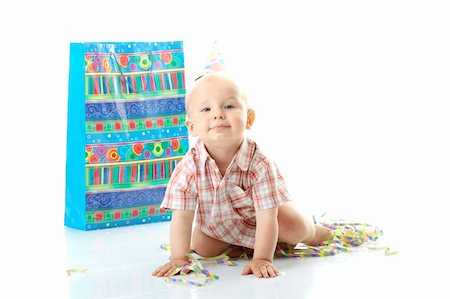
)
(180, 242)
(265, 243)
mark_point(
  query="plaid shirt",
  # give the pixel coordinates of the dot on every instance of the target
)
(226, 205)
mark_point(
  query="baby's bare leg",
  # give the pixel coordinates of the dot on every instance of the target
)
(206, 246)
(294, 228)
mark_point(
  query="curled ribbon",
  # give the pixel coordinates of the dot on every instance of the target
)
(343, 236)
(197, 270)
(75, 271)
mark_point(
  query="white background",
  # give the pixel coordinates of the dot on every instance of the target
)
(351, 101)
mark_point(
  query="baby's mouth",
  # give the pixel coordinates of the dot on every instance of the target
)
(219, 127)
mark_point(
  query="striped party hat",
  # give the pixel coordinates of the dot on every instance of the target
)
(215, 60)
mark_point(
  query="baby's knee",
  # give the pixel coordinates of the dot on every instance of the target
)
(204, 251)
(299, 232)
(206, 246)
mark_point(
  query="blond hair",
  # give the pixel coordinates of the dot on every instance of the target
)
(213, 75)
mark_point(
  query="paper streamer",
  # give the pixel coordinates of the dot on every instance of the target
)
(343, 236)
(69, 272)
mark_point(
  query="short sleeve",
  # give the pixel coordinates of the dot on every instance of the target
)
(269, 188)
(181, 191)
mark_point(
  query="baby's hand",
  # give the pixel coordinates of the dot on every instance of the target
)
(166, 269)
(261, 268)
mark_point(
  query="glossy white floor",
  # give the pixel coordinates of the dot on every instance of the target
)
(119, 263)
(360, 86)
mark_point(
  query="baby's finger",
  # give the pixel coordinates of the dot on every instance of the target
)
(171, 270)
(159, 272)
(247, 270)
(155, 271)
(271, 271)
(257, 272)
(264, 273)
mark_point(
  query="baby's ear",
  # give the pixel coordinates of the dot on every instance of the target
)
(190, 127)
(250, 118)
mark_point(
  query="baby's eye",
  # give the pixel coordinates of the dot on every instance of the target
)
(229, 107)
(206, 109)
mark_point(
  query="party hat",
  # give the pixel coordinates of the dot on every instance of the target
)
(215, 60)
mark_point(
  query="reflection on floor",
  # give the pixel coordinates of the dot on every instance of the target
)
(119, 262)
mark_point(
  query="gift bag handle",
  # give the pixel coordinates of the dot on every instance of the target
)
(113, 55)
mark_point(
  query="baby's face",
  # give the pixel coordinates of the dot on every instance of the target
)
(217, 110)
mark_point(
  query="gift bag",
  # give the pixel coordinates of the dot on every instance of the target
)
(126, 131)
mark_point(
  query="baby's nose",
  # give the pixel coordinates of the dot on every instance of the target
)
(218, 114)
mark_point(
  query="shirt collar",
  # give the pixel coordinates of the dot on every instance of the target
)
(242, 158)
(203, 154)
(244, 155)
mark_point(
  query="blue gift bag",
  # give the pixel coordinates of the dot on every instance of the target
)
(125, 133)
